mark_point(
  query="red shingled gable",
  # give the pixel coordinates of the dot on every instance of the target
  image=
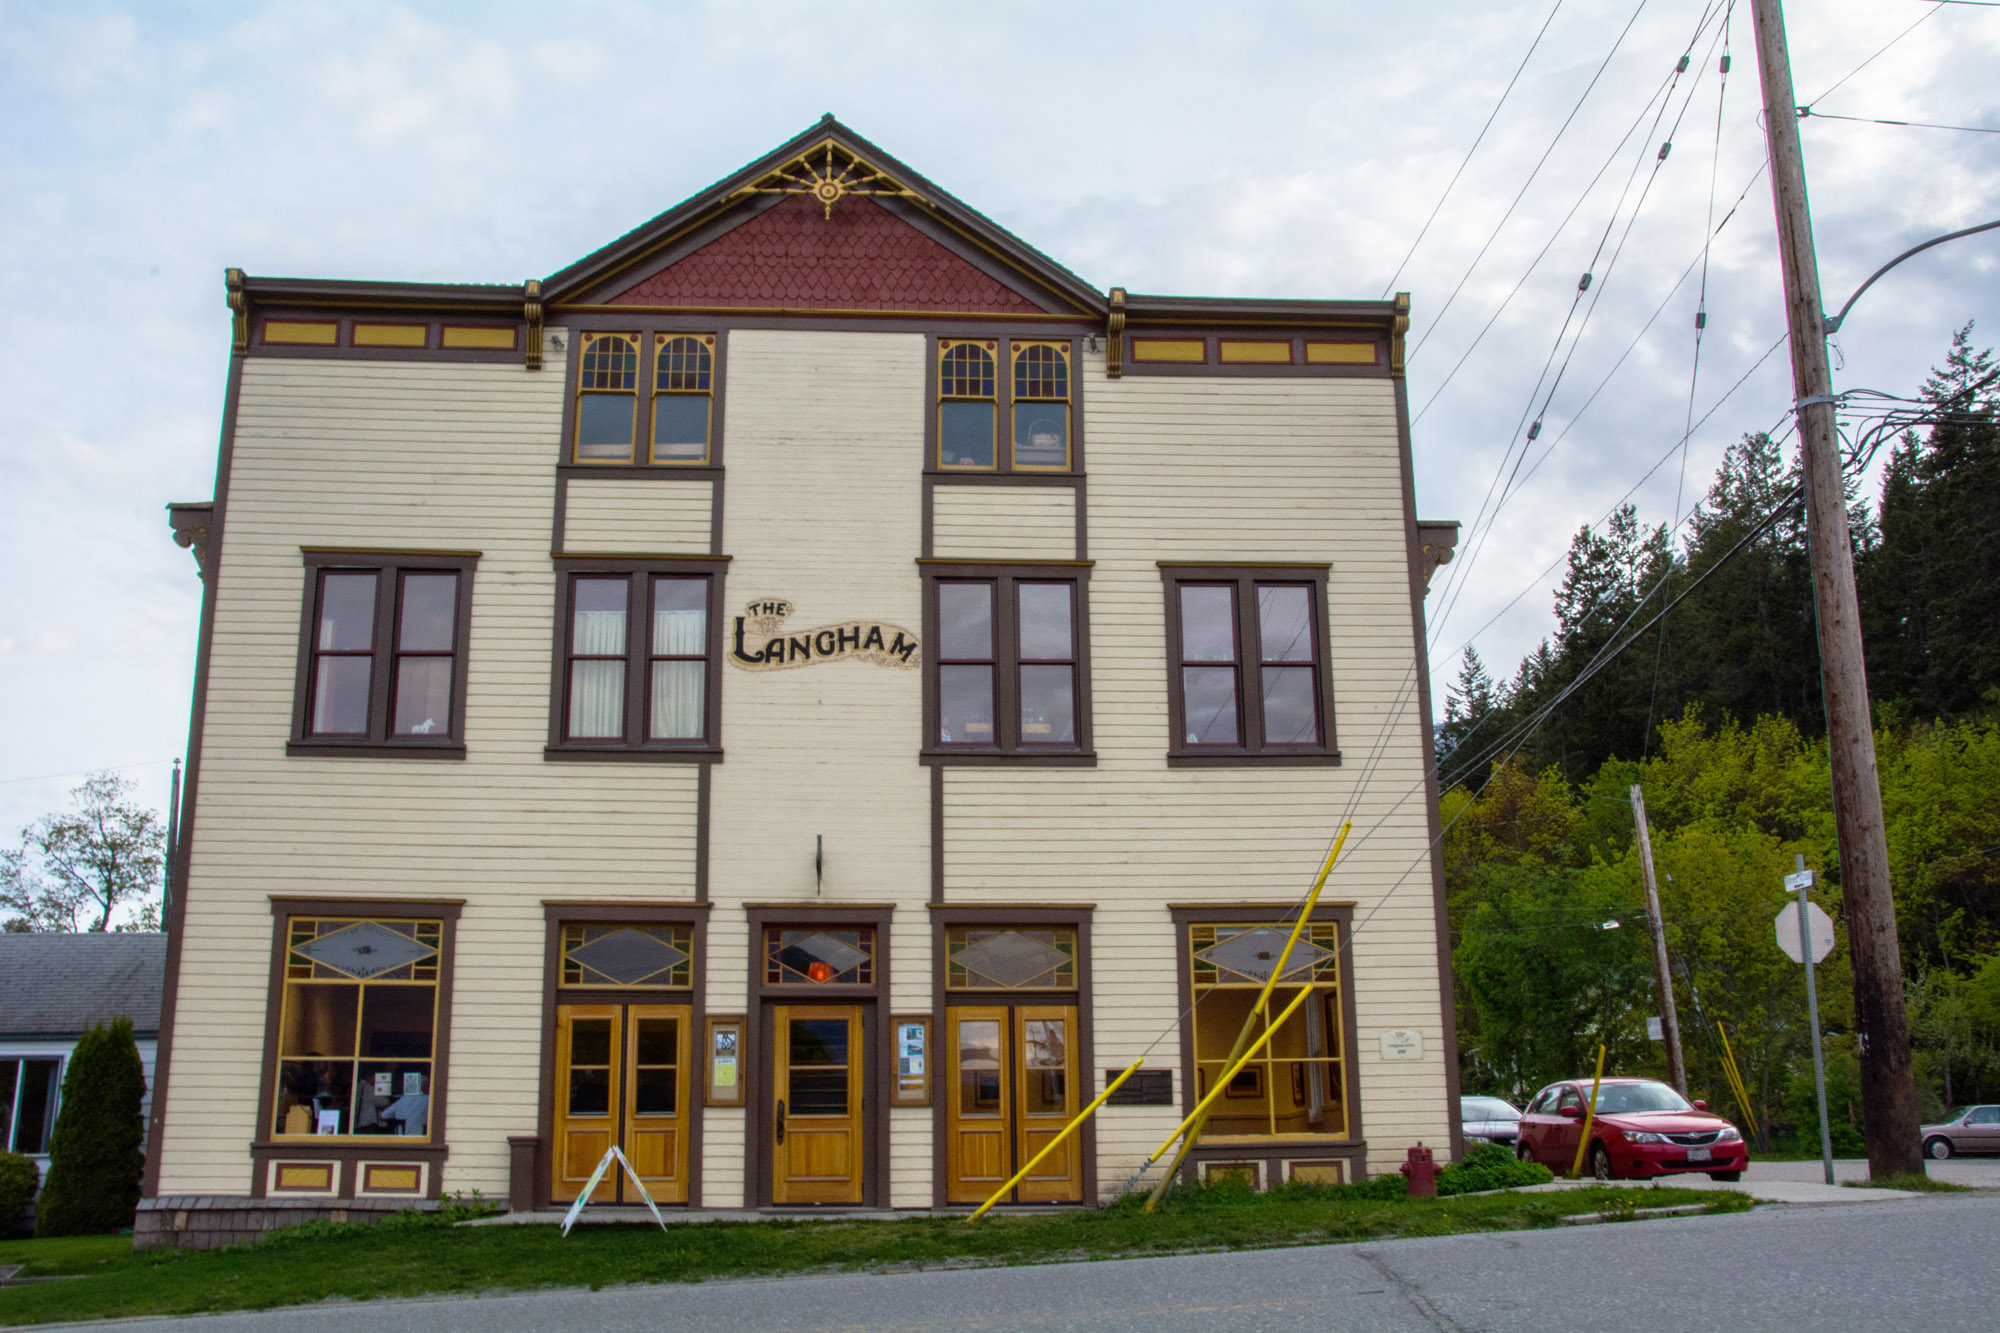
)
(793, 257)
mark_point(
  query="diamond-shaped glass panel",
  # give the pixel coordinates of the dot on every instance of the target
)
(627, 957)
(1253, 955)
(1010, 959)
(364, 950)
(827, 949)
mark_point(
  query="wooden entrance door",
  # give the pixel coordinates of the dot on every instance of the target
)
(621, 1076)
(1010, 1087)
(817, 1122)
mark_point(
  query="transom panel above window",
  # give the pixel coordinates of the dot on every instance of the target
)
(382, 653)
(612, 955)
(1247, 673)
(637, 666)
(1010, 958)
(1004, 405)
(828, 955)
(1008, 678)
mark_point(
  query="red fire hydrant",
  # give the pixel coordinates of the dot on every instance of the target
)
(1422, 1172)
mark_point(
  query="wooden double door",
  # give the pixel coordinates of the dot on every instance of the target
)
(622, 1075)
(1010, 1082)
(818, 1120)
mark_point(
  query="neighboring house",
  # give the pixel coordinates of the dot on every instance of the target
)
(53, 989)
(804, 694)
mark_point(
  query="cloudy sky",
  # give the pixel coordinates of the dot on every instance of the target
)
(1242, 150)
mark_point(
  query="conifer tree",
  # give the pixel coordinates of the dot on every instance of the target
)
(94, 1155)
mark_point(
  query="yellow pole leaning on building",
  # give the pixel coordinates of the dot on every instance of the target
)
(1068, 1130)
(1736, 1084)
(1589, 1115)
(1222, 1081)
(1249, 1022)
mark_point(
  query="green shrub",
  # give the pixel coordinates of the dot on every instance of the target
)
(1490, 1167)
(94, 1156)
(18, 1178)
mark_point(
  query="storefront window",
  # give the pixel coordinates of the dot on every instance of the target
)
(1296, 1084)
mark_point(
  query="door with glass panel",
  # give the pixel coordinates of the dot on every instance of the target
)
(621, 1077)
(1010, 1088)
(817, 1118)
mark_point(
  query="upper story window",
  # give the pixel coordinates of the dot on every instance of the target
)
(638, 662)
(967, 406)
(1041, 406)
(1010, 664)
(382, 653)
(683, 371)
(1247, 674)
(607, 397)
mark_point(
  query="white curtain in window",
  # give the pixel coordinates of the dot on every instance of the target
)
(679, 687)
(597, 689)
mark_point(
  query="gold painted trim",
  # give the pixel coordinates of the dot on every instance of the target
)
(1114, 336)
(835, 312)
(239, 308)
(1340, 354)
(390, 335)
(1176, 351)
(1255, 351)
(462, 337)
(301, 333)
(1396, 335)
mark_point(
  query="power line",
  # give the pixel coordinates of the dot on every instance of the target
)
(1467, 160)
(1805, 111)
(1928, 15)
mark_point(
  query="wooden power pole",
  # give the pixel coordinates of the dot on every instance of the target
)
(1888, 1091)
(1670, 1019)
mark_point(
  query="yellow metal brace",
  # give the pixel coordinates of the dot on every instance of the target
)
(1261, 1008)
(1736, 1081)
(1589, 1116)
(1068, 1130)
(1222, 1082)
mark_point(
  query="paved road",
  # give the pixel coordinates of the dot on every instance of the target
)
(1913, 1264)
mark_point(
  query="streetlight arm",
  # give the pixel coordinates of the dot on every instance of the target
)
(1833, 321)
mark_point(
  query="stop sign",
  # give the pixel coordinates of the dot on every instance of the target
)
(1818, 923)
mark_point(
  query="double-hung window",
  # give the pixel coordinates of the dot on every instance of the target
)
(1009, 663)
(1004, 406)
(1247, 675)
(382, 653)
(637, 666)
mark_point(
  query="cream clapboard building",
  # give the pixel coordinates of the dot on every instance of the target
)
(805, 695)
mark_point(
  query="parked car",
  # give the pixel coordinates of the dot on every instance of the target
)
(1489, 1120)
(1642, 1128)
(1971, 1129)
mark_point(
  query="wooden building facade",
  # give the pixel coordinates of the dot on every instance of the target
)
(803, 695)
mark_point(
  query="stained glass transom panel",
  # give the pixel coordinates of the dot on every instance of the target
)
(364, 950)
(1010, 958)
(1225, 955)
(819, 957)
(627, 956)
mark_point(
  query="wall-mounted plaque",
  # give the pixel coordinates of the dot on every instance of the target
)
(910, 1085)
(1146, 1087)
(724, 1086)
(1402, 1044)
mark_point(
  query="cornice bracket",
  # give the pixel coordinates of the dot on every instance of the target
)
(1438, 539)
(192, 521)
(531, 310)
(1396, 336)
(239, 311)
(1114, 336)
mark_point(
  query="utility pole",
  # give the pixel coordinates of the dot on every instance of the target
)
(1888, 1090)
(1670, 1019)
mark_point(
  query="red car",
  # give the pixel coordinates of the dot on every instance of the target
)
(1642, 1129)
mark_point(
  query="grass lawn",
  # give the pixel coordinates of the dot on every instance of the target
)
(320, 1261)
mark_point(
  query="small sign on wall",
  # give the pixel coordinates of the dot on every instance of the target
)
(725, 1062)
(1402, 1044)
(762, 643)
(912, 1081)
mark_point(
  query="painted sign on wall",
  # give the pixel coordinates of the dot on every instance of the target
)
(759, 643)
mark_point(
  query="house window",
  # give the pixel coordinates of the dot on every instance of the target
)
(1009, 662)
(29, 1090)
(638, 666)
(967, 409)
(606, 397)
(1041, 407)
(382, 654)
(1297, 1084)
(358, 1027)
(683, 371)
(1247, 674)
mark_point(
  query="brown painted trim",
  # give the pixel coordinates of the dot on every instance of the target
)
(878, 1038)
(634, 748)
(263, 1147)
(1341, 914)
(937, 836)
(1008, 748)
(704, 818)
(191, 784)
(1250, 751)
(347, 1158)
(389, 566)
(1203, 568)
(1272, 1155)
(554, 913)
(718, 434)
(1077, 915)
(1420, 640)
(643, 471)
(1212, 366)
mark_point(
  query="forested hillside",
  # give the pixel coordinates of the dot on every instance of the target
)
(1716, 711)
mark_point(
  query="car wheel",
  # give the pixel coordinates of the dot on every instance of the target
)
(1939, 1148)
(1600, 1161)
(1522, 1152)
(1727, 1177)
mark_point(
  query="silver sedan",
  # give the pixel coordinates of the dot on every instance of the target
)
(1489, 1120)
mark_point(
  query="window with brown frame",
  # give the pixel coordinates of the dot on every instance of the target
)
(1027, 384)
(382, 653)
(1008, 677)
(1247, 677)
(637, 660)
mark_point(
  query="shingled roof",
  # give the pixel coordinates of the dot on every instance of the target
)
(62, 985)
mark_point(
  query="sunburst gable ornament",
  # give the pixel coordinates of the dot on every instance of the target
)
(829, 173)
